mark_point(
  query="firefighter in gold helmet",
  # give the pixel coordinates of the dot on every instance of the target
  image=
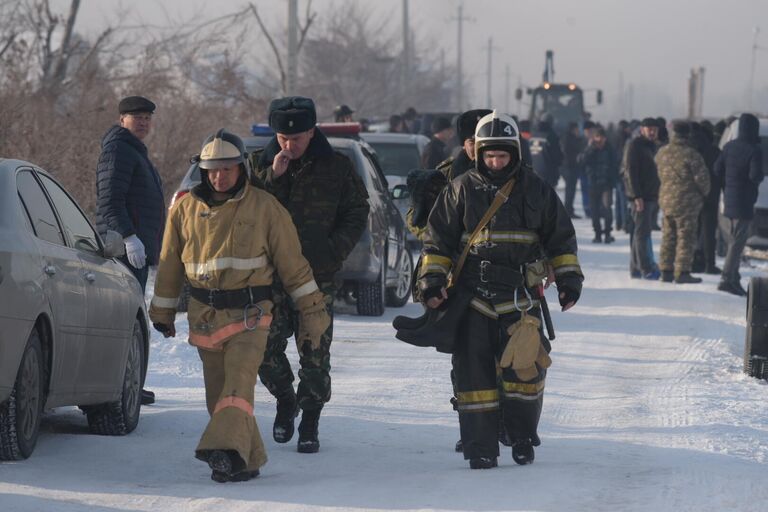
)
(229, 239)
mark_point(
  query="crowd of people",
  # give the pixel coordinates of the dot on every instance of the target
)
(262, 236)
(643, 175)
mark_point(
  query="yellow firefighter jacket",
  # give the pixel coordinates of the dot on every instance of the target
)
(237, 244)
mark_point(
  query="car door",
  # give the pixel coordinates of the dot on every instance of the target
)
(63, 284)
(109, 312)
(386, 224)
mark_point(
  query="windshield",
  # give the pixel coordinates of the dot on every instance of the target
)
(397, 159)
(565, 106)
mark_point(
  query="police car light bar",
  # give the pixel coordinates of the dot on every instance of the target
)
(340, 129)
(261, 130)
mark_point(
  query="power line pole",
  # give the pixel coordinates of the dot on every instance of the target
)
(406, 48)
(756, 31)
(459, 50)
(293, 44)
(489, 77)
(506, 90)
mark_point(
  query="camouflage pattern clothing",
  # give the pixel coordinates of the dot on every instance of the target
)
(275, 371)
(684, 185)
(328, 202)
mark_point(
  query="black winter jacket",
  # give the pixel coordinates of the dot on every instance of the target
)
(641, 177)
(326, 198)
(129, 191)
(600, 165)
(740, 169)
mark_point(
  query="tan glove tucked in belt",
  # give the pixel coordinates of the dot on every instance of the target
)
(524, 348)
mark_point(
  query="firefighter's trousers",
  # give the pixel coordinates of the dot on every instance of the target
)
(230, 378)
(481, 342)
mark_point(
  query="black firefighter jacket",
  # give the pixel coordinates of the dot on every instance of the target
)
(532, 224)
(326, 199)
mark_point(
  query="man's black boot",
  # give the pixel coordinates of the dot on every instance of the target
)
(598, 238)
(147, 397)
(522, 451)
(686, 277)
(483, 463)
(608, 238)
(667, 276)
(732, 288)
(287, 410)
(308, 442)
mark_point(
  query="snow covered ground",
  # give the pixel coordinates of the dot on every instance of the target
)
(646, 409)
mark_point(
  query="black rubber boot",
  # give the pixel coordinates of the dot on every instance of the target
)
(220, 462)
(483, 463)
(308, 442)
(287, 410)
(608, 238)
(243, 476)
(686, 277)
(147, 397)
(522, 451)
(667, 276)
(598, 239)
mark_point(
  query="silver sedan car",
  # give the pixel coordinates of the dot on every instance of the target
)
(73, 324)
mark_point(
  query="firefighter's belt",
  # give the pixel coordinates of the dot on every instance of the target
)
(483, 272)
(230, 299)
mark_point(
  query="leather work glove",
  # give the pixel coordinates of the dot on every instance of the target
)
(567, 296)
(167, 330)
(523, 344)
(432, 286)
(134, 250)
(314, 320)
(524, 349)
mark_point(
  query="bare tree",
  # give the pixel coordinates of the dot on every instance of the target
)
(309, 18)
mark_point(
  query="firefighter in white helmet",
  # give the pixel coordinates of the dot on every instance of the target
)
(506, 264)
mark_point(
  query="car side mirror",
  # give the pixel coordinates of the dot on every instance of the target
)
(400, 192)
(114, 247)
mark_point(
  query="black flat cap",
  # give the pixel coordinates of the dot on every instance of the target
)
(135, 104)
(649, 121)
(467, 122)
(292, 114)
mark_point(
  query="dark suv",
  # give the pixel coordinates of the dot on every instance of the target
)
(378, 271)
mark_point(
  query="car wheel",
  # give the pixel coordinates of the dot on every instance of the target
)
(398, 295)
(183, 304)
(20, 414)
(370, 296)
(120, 417)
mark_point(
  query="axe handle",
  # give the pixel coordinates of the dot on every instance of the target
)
(545, 314)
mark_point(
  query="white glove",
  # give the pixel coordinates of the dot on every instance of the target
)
(134, 249)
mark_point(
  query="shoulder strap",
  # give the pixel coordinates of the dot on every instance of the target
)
(500, 198)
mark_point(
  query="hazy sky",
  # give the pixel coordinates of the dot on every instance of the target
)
(653, 44)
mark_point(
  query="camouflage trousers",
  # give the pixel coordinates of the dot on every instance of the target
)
(678, 243)
(314, 376)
